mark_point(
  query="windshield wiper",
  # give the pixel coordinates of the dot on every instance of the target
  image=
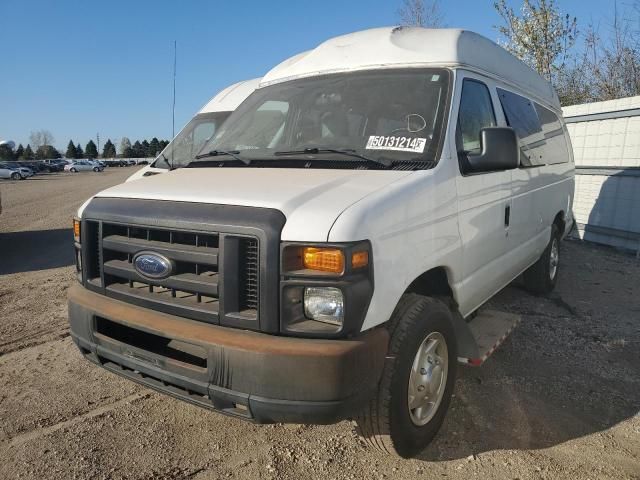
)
(171, 167)
(349, 152)
(217, 153)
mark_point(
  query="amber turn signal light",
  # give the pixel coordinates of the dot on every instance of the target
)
(76, 230)
(323, 259)
(359, 259)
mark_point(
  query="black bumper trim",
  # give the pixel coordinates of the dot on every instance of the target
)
(253, 408)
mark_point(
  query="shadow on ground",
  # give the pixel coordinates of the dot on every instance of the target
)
(35, 250)
(564, 374)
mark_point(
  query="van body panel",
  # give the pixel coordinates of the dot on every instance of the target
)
(416, 214)
(310, 199)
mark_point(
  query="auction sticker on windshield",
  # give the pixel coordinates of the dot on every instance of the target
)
(401, 144)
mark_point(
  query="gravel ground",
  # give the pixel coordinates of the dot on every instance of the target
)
(560, 399)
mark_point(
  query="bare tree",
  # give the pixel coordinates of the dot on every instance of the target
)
(421, 13)
(539, 35)
(613, 66)
(41, 138)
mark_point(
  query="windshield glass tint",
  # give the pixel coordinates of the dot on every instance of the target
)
(182, 149)
(392, 115)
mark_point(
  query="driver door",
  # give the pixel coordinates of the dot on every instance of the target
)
(483, 199)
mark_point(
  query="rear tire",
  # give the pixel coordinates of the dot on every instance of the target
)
(541, 277)
(391, 422)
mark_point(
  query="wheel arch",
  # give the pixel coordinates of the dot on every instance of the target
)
(436, 283)
(559, 221)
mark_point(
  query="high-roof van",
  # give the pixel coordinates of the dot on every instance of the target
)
(199, 130)
(329, 252)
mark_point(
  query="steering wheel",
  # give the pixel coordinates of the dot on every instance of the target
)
(398, 130)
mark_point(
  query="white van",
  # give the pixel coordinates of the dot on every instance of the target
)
(199, 130)
(329, 254)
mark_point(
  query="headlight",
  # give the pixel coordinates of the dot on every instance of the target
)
(324, 304)
(325, 288)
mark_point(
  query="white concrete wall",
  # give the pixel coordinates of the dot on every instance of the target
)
(614, 142)
(607, 200)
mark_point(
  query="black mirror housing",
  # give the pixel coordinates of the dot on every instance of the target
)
(500, 151)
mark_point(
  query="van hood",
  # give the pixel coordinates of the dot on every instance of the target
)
(310, 199)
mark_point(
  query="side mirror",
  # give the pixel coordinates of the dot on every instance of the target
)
(500, 151)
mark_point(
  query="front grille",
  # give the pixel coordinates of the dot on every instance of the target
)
(195, 287)
(249, 274)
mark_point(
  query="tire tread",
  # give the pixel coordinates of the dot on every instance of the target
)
(374, 423)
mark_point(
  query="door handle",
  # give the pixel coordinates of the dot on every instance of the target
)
(507, 215)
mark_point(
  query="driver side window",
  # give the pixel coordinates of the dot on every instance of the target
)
(476, 112)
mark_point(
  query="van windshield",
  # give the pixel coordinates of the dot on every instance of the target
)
(385, 116)
(184, 147)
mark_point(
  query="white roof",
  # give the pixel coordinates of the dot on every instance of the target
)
(606, 106)
(228, 99)
(393, 47)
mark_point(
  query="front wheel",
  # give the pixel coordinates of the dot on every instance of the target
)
(16, 176)
(541, 277)
(417, 381)
(73, 170)
(96, 169)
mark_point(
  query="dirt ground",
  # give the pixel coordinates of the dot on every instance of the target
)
(560, 399)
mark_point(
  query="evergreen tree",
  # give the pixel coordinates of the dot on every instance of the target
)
(137, 150)
(109, 150)
(79, 152)
(91, 151)
(128, 153)
(6, 152)
(19, 152)
(71, 150)
(145, 149)
(154, 147)
(28, 153)
(47, 151)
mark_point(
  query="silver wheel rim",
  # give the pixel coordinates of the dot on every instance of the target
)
(428, 378)
(554, 258)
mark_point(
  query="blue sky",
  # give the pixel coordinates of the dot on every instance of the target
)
(81, 67)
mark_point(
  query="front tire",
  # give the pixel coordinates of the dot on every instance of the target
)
(96, 169)
(417, 380)
(541, 277)
(73, 170)
(16, 176)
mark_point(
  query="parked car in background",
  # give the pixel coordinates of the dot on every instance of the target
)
(114, 162)
(10, 172)
(83, 166)
(56, 165)
(34, 166)
(25, 172)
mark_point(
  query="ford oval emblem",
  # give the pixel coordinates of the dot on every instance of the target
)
(152, 265)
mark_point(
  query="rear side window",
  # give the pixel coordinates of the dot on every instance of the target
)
(556, 149)
(476, 112)
(521, 115)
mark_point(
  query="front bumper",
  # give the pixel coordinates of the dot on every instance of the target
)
(259, 377)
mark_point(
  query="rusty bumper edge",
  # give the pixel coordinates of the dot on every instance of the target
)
(281, 378)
